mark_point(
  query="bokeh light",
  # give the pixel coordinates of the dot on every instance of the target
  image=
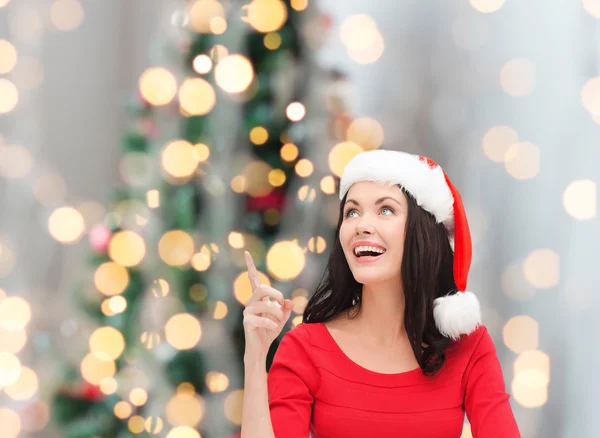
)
(233, 406)
(366, 132)
(176, 248)
(127, 248)
(266, 15)
(11, 423)
(66, 225)
(304, 168)
(579, 199)
(487, 6)
(185, 408)
(497, 140)
(10, 369)
(234, 73)
(197, 96)
(295, 111)
(202, 64)
(216, 382)
(183, 331)
(518, 77)
(158, 86)
(111, 278)
(94, 368)
(8, 56)
(521, 333)
(242, 289)
(341, 154)
(15, 313)
(25, 386)
(285, 260)
(522, 160)
(107, 343)
(542, 268)
(66, 15)
(9, 96)
(15, 161)
(203, 12)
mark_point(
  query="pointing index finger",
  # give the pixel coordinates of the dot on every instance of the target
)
(252, 272)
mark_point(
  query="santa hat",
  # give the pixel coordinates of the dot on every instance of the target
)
(459, 313)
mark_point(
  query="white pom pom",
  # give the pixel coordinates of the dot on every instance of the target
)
(457, 314)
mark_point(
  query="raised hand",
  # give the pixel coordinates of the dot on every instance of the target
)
(265, 314)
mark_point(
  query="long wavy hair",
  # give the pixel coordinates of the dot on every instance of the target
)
(426, 272)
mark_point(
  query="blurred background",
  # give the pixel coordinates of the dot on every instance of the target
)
(145, 144)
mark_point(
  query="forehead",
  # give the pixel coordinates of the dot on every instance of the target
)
(366, 191)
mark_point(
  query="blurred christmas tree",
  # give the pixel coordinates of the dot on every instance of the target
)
(213, 162)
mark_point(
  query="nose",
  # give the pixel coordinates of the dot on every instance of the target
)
(364, 226)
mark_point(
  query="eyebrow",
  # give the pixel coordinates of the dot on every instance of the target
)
(379, 201)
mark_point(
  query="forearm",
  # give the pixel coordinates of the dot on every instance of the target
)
(256, 418)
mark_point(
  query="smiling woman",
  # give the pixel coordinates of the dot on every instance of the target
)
(391, 342)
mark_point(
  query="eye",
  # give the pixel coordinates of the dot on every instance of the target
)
(347, 213)
(390, 209)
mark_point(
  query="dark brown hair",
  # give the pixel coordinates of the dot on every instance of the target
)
(426, 271)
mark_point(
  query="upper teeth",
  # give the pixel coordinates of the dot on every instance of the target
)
(360, 249)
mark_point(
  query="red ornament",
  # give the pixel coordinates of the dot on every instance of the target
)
(275, 199)
(91, 392)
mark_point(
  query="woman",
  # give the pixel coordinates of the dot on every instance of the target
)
(391, 343)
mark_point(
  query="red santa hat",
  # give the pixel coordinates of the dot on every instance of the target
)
(458, 313)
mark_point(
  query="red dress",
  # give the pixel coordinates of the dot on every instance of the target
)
(314, 388)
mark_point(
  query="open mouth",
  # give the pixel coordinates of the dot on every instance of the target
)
(368, 253)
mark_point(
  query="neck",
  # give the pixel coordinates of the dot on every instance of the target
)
(381, 317)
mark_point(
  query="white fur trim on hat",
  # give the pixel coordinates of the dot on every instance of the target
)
(457, 314)
(427, 185)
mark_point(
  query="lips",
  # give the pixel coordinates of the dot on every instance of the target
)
(367, 259)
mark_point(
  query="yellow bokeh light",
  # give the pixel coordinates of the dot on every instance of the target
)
(94, 369)
(236, 240)
(183, 331)
(136, 424)
(285, 260)
(138, 396)
(304, 168)
(533, 360)
(10, 369)
(160, 288)
(486, 6)
(238, 184)
(158, 86)
(201, 152)
(521, 333)
(266, 15)
(529, 388)
(10, 421)
(150, 339)
(3, 3)
(15, 313)
(105, 308)
(203, 12)
(233, 406)
(592, 7)
(200, 262)
(218, 25)
(590, 95)
(296, 320)
(185, 409)
(259, 135)
(108, 385)
(299, 5)
(300, 303)
(122, 409)
(289, 152)
(186, 388)
(216, 382)
(542, 268)
(15, 161)
(328, 185)
(198, 292)
(176, 248)
(272, 41)
(359, 32)
(496, 142)
(306, 193)
(8, 56)
(579, 199)
(202, 64)
(107, 343)
(25, 387)
(154, 425)
(317, 244)
(242, 288)
(370, 54)
(111, 278)
(9, 96)
(277, 177)
(183, 432)
(518, 77)
(127, 248)
(178, 159)
(341, 154)
(153, 198)
(197, 96)
(13, 340)
(117, 304)
(234, 73)
(522, 160)
(218, 52)
(295, 111)
(66, 15)
(256, 174)
(66, 225)
(366, 132)
(220, 311)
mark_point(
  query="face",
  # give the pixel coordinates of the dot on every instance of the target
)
(374, 222)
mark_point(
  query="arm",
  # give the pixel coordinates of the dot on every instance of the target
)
(256, 421)
(486, 400)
